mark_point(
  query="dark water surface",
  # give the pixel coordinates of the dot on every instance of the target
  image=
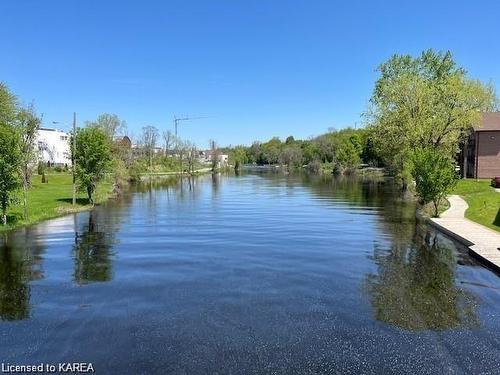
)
(251, 274)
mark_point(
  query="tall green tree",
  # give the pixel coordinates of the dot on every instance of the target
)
(8, 105)
(291, 156)
(239, 157)
(434, 174)
(27, 123)
(10, 158)
(112, 126)
(93, 158)
(9, 150)
(424, 101)
(271, 150)
(255, 153)
(347, 156)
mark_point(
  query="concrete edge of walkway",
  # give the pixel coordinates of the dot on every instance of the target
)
(450, 233)
(468, 244)
(456, 213)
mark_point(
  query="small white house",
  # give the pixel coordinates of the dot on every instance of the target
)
(206, 157)
(53, 147)
(223, 160)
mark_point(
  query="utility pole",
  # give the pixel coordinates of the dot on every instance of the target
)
(73, 161)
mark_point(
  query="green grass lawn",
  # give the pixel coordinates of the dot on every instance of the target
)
(52, 199)
(483, 201)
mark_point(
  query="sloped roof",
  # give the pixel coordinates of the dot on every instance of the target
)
(491, 121)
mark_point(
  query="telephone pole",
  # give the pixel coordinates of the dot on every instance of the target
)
(73, 159)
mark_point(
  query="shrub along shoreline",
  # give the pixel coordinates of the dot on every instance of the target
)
(54, 199)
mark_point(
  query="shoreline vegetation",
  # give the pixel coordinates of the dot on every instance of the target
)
(53, 199)
(421, 112)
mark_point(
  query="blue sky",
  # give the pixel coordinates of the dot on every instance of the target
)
(255, 69)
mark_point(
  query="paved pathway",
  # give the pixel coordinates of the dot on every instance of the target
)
(481, 241)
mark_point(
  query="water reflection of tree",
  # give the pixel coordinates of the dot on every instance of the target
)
(20, 263)
(181, 187)
(186, 188)
(415, 286)
(93, 249)
(216, 183)
(348, 190)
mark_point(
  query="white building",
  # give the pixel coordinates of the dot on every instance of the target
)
(206, 157)
(53, 147)
(223, 160)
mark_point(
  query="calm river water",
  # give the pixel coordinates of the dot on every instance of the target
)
(258, 273)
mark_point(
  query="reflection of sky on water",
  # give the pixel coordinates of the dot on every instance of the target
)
(270, 272)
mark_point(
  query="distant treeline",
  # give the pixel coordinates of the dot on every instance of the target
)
(337, 151)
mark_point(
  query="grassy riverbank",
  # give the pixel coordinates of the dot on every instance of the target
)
(53, 199)
(483, 201)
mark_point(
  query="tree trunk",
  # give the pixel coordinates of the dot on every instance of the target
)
(436, 208)
(4, 218)
(25, 200)
(89, 194)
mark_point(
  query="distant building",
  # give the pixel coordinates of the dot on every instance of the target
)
(123, 141)
(53, 147)
(223, 160)
(203, 157)
(139, 150)
(206, 157)
(480, 157)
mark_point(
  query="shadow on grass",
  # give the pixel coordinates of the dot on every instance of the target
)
(497, 219)
(14, 218)
(79, 201)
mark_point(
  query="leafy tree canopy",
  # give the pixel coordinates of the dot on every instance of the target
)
(109, 123)
(424, 101)
(10, 158)
(93, 158)
(434, 174)
(10, 155)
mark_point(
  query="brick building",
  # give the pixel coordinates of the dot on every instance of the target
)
(481, 154)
